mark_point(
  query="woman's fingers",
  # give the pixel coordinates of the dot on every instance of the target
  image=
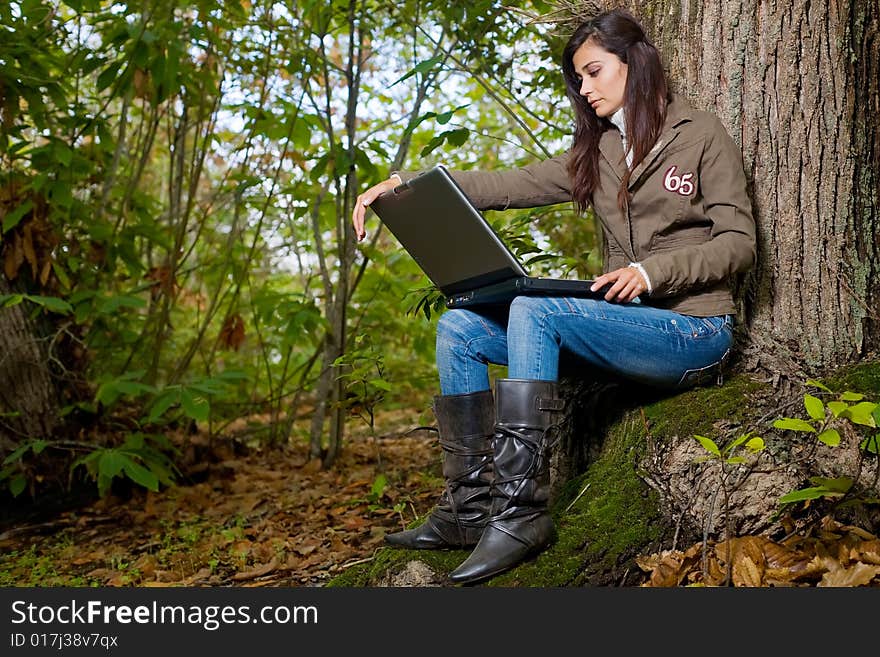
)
(358, 217)
(626, 284)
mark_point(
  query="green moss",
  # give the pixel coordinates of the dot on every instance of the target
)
(863, 378)
(695, 411)
(390, 559)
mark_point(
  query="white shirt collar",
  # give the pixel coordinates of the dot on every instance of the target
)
(619, 120)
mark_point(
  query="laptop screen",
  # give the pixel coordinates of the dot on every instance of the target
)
(448, 238)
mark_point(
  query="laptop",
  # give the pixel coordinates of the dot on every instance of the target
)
(458, 250)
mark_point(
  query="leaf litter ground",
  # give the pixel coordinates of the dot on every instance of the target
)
(245, 517)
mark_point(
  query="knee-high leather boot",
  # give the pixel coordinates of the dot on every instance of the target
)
(465, 423)
(527, 413)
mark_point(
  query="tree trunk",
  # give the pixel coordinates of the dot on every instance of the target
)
(28, 403)
(796, 84)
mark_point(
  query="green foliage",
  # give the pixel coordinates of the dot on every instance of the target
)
(11, 472)
(142, 458)
(824, 416)
(363, 373)
(52, 304)
(429, 301)
(176, 180)
(191, 400)
(733, 452)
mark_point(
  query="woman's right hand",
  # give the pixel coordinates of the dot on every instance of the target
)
(358, 216)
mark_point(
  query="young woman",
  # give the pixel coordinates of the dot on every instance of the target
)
(667, 183)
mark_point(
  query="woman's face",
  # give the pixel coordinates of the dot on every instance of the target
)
(603, 77)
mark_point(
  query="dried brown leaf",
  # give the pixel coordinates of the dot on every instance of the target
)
(14, 257)
(44, 274)
(665, 568)
(257, 571)
(30, 254)
(201, 574)
(869, 552)
(232, 333)
(860, 574)
(306, 548)
(747, 573)
(863, 534)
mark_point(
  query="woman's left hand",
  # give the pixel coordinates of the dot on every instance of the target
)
(626, 284)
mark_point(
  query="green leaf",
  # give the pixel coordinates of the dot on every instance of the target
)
(61, 193)
(17, 453)
(444, 118)
(54, 304)
(107, 76)
(755, 444)
(165, 400)
(60, 272)
(198, 408)
(378, 487)
(458, 136)
(112, 304)
(794, 424)
(861, 413)
(709, 445)
(736, 443)
(62, 153)
(9, 300)
(432, 145)
(830, 437)
(837, 407)
(851, 396)
(17, 485)
(12, 219)
(110, 463)
(871, 444)
(817, 384)
(140, 475)
(838, 484)
(382, 384)
(804, 494)
(422, 67)
(110, 391)
(815, 407)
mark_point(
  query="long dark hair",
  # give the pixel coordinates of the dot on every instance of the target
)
(645, 99)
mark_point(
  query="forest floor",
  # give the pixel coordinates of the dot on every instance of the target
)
(249, 517)
(240, 516)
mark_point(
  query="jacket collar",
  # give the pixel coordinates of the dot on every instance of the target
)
(678, 112)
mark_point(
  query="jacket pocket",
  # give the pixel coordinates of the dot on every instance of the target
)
(680, 236)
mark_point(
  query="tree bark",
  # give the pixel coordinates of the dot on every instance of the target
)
(28, 401)
(797, 84)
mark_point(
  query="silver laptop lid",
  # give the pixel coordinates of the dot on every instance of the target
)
(448, 238)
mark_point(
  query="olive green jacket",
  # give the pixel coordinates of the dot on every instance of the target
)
(689, 221)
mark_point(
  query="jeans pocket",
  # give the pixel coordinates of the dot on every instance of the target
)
(705, 376)
(700, 327)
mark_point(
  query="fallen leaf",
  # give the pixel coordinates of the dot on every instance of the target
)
(869, 552)
(861, 574)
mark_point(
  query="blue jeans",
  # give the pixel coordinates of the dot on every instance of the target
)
(635, 341)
